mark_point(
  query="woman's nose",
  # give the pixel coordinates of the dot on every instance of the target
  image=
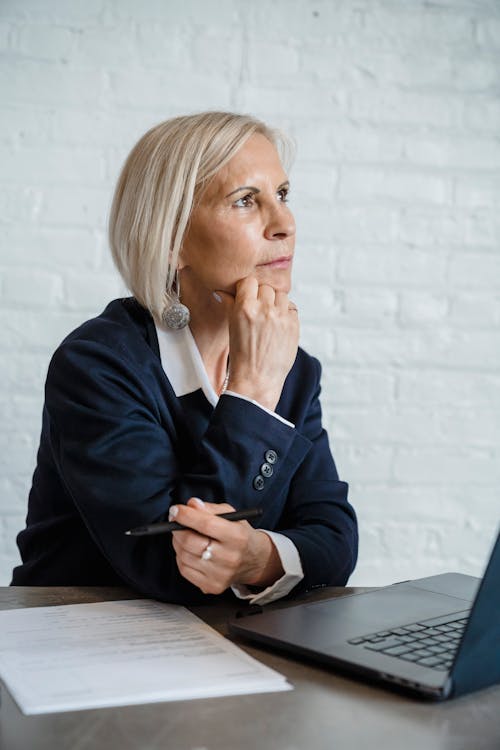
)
(280, 224)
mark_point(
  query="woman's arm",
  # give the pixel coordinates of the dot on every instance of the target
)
(118, 440)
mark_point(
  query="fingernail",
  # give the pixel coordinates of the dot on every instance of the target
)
(173, 510)
(217, 296)
(199, 502)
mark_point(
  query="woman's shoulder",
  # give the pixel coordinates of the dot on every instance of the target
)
(123, 321)
(124, 330)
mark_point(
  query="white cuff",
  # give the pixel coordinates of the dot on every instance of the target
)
(290, 560)
(272, 413)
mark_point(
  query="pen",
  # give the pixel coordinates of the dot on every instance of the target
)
(165, 527)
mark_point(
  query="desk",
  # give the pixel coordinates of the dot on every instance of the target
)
(323, 712)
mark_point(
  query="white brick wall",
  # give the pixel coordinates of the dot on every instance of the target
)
(395, 107)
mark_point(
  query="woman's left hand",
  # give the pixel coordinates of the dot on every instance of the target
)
(238, 553)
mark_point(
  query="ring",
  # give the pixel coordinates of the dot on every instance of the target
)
(292, 306)
(207, 552)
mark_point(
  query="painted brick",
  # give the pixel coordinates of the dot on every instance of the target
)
(35, 333)
(357, 387)
(444, 227)
(474, 427)
(7, 35)
(365, 224)
(476, 309)
(50, 249)
(360, 184)
(21, 128)
(478, 190)
(79, 207)
(54, 10)
(423, 308)
(52, 165)
(446, 387)
(174, 92)
(475, 270)
(396, 111)
(23, 375)
(20, 204)
(90, 292)
(367, 464)
(14, 494)
(368, 308)
(454, 151)
(488, 33)
(32, 290)
(407, 426)
(482, 113)
(390, 107)
(448, 466)
(46, 41)
(48, 83)
(190, 12)
(392, 266)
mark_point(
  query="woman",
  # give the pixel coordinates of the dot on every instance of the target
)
(147, 417)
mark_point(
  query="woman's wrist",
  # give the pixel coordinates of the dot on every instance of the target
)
(262, 396)
(268, 568)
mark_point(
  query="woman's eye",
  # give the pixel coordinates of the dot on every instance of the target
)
(283, 195)
(245, 201)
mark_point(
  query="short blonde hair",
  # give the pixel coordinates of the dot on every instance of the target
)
(158, 185)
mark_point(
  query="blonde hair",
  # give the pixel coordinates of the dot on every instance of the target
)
(158, 185)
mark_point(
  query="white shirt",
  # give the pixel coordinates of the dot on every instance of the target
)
(183, 366)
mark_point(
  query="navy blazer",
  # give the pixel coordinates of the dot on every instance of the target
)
(118, 447)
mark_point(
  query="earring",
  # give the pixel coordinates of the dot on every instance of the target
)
(176, 315)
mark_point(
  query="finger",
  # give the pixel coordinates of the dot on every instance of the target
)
(189, 541)
(266, 294)
(208, 524)
(217, 508)
(281, 300)
(247, 288)
(203, 580)
(214, 508)
(219, 563)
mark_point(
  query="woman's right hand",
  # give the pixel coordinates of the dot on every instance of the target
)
(263, 340)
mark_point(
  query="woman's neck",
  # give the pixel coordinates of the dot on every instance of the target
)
(209, 326)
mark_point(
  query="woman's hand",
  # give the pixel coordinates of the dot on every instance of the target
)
(263, 340)
(239, 553)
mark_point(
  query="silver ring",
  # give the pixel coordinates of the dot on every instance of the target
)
(293, 307)
(207, 552)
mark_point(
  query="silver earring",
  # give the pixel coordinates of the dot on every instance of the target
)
(176, 315)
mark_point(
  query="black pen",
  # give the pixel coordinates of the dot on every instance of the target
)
(165, 527)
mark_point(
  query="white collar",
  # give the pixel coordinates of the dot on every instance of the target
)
(182, 363)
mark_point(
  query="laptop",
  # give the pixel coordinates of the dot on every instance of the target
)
(436, 637)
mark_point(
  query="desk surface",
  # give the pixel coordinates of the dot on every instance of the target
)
(324, 711)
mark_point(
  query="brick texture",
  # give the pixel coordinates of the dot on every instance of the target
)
(395, 108)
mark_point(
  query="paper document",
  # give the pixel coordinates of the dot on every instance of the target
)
(78, 656)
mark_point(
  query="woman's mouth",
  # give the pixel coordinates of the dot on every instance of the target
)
(283, 262)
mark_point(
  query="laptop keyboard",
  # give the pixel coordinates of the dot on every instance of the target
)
(431, 643)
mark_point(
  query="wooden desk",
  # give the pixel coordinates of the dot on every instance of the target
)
(324, 711)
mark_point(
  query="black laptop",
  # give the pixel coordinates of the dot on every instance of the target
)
(436, 637)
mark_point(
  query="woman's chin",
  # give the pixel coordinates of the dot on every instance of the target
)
(279, 279)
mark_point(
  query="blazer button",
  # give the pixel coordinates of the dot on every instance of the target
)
(266, 470)
(271, 456)
(258, 482)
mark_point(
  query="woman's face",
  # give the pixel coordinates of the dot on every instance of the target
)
(242, 225)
